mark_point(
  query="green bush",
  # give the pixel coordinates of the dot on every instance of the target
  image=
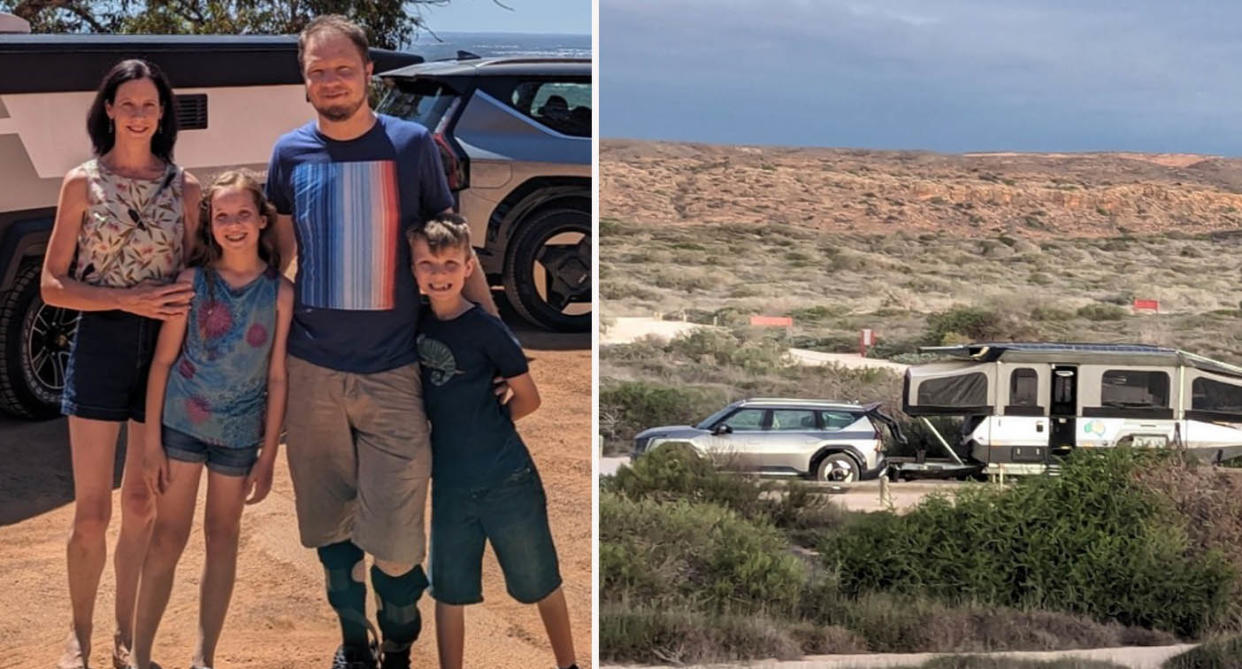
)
(667, 554)
(1102, 312)
(818, 314)
(686, 636)
(1047, 313)
(722, 347)
(674, 472)
(1089, 541)
(974, 324)
(634, 406)
(680, 635)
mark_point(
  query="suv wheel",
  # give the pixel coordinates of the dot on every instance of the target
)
(838, 468)
(548, 273)
(34, 347)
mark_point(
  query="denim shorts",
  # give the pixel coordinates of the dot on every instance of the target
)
(513, 516)
(219, 459)
(106, 378)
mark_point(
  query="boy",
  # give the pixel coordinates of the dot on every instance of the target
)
(484, 484)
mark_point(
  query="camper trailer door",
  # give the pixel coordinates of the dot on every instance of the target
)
(1063, 409)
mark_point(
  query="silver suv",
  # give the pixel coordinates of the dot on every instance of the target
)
(820, 440)
(515, 138)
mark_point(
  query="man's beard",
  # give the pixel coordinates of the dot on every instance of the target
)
(339, 112)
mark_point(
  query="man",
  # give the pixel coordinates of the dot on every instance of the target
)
(345, 187)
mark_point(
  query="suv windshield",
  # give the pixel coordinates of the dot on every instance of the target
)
(706, 423)
(423, 101)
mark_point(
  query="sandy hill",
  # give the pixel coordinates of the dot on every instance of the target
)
(979, 194)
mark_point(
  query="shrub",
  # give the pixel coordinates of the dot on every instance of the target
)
(967, 323)
(666, 554)
(686, 636)
(638, 405)
(1102, 312)
(681, 635)
(729, 348)
(674, 472)
(1047, 313)
(818, 314)
(1089, 541)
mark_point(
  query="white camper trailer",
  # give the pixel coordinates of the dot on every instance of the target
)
(235, 95)
(1023, 404)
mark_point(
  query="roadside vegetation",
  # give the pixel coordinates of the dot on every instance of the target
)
(917, 289)
(1121, 549)
(699, 566)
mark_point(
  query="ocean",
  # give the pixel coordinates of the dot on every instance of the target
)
(500, 44)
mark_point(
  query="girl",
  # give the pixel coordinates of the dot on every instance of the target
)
(122, 223)
(216, 398)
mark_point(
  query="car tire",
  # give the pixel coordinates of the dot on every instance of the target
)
(838, 467)
(548, 270)
(34, 347)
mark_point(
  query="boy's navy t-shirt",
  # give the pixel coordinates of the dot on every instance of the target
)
(473, 440)
(356, 303)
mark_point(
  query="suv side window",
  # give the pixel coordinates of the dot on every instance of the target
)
(793, 420)
(563, 106)
(837, 420)
(746, 420)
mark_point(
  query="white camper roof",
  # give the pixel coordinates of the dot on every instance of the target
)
(1122, 354)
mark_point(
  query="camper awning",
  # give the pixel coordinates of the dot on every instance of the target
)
(1119, 354)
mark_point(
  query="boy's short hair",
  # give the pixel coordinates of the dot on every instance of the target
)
(442, 232)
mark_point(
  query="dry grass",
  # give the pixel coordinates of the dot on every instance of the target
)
(1065, 289)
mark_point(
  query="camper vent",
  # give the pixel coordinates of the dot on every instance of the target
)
(191, 111)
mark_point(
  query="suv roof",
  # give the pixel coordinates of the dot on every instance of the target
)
(792, 402)
(486, 67)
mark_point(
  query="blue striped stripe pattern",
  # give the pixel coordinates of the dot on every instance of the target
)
(347, 216)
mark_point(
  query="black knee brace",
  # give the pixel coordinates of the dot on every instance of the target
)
(347, 596)
(397, 597)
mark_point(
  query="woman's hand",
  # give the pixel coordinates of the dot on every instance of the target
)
(160, 301)
(259, 481)
(155, 467)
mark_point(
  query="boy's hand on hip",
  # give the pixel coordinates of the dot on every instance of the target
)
(259, 481)
(501, 387)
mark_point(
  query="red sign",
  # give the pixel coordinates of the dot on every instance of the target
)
(866, 339)
(1147, 305)
(771, 321)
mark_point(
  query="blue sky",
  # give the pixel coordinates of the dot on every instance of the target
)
(528, 16)
(944, 75)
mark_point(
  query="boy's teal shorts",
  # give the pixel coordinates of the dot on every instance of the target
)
(513, 516)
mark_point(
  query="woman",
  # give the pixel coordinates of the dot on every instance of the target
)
(123, 226)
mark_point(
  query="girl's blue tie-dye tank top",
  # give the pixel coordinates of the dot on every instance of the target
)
(217, 389)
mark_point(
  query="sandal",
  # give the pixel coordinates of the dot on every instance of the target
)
(72, 657)
(120, 653)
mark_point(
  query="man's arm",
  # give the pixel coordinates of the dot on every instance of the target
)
(476, 289)
(286, 243)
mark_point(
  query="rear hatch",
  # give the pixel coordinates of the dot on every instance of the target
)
(433, 103)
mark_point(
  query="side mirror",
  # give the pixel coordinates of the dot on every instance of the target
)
(722, 429)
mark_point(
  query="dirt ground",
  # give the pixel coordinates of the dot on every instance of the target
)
(279, 616)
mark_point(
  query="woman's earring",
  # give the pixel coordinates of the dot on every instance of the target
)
(111, 126)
